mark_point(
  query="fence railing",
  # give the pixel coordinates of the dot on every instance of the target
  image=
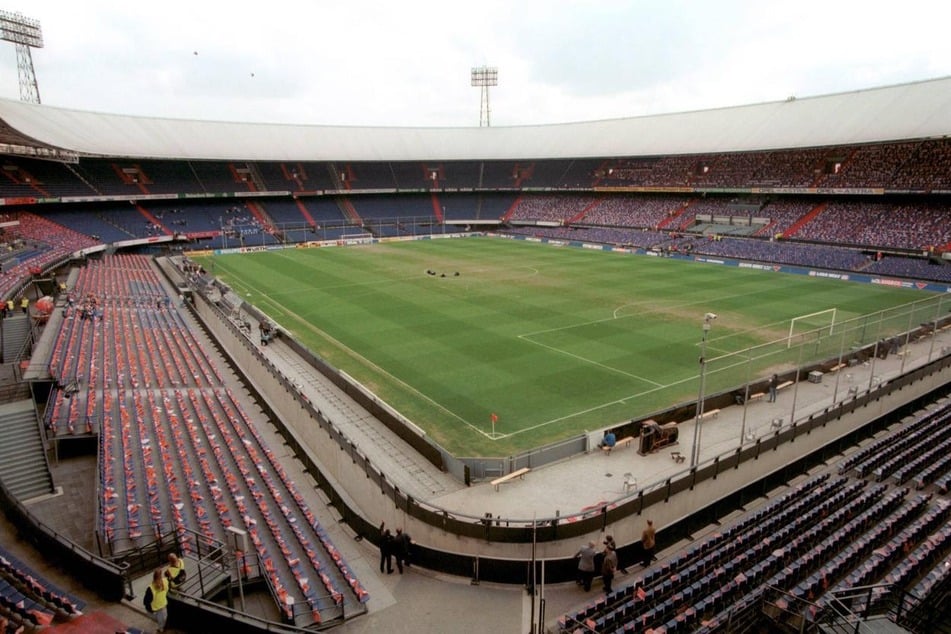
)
(107, 579)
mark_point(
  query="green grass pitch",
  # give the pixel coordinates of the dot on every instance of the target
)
(552, 340)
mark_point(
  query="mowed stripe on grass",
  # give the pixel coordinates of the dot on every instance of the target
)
(552, 340)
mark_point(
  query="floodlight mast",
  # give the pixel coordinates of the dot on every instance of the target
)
(483, 77)
(25, 34)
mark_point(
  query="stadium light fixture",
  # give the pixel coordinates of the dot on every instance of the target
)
(25, 34)
(483, 77)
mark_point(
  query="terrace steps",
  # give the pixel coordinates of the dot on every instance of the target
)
(807, 218)
(23, 465)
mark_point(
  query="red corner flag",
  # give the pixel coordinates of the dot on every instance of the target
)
(494, 417)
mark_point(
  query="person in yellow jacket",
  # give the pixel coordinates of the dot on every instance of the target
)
(156, 598)
(25, 304)
(175, 573)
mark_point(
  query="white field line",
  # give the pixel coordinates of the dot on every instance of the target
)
(658, 386)
(620, 401)
(527, 337)
(370, 364)
(590, 362)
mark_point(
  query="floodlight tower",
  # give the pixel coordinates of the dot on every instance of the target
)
(483, 77)
(25, 33)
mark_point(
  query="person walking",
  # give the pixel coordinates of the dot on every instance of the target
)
(608, 567)
(402, 543)
(156, 598)
(648, 542)
(387, 544)
(610, 543)
(585, 557)
(773, 384)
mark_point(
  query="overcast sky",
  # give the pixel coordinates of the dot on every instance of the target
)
(408, 62)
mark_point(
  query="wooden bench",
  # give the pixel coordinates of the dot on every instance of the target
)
(518, 473)
(783, 385)
(758, 395)
(677, 457)
(625, 442)
(710, 413)
(836, 368)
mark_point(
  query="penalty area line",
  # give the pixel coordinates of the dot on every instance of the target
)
(619, 401)
(588, 361)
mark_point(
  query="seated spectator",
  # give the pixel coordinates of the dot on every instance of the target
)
(608, 441)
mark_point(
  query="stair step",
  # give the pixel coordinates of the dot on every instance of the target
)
(18, 429)
(23, 466)
(19, 417)
(22, 436)
(21, 455)
(14, 446)
(22, 439)
(30, 488)
(16, 475)
(27, 492)
(31, 452)
(17, 434)
(20, 425)
(23, 469)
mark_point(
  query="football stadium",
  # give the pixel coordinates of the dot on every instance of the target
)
(701, 356)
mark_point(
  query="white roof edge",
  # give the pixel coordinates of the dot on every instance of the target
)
(912, 110)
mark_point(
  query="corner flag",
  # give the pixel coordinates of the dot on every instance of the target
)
(493, 417)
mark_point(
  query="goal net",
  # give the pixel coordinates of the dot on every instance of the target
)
(817, 325)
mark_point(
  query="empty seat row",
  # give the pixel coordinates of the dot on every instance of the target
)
(887, 551)
(732, 566)
(910, 458)
(883, 461)
(866, 459)
(29, 599)
(178, 453)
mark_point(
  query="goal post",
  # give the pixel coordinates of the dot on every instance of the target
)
(822, 321)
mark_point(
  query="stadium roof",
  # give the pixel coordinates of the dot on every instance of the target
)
(906, 111)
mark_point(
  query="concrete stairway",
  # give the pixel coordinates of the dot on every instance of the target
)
(24, 469)
(16, 332)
